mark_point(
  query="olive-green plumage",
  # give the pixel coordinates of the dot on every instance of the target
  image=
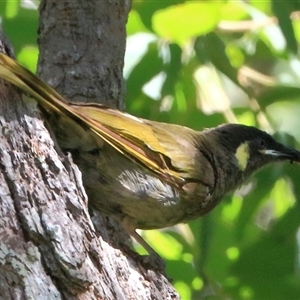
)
(149, 174)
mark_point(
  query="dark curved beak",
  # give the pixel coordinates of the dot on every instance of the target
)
(284, 153)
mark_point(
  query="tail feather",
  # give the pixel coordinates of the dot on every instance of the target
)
(11, 71)
(146, 150)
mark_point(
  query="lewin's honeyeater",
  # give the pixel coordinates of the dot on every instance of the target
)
(149, 174)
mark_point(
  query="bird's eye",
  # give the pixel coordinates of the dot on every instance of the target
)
(261, 143)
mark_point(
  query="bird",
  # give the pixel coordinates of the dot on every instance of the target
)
(147, 174)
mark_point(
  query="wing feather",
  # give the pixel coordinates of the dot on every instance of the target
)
(156, 147)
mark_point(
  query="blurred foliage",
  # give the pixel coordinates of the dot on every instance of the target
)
(199, 64)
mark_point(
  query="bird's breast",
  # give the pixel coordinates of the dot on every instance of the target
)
(121, 188)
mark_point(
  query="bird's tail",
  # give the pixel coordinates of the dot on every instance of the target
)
(116, 128)
(46, 96)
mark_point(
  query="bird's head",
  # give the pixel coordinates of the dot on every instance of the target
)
(252, 148)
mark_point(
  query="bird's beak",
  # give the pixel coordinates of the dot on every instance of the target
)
(284, 153)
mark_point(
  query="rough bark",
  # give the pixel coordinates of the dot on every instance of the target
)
(50, 248)
(82, 46)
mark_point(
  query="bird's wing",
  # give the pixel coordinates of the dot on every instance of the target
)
(141, 140)
(136, 138)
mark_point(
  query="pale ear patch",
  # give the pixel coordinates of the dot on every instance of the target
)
(242, 155)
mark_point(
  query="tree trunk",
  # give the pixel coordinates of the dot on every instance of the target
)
(50, 248)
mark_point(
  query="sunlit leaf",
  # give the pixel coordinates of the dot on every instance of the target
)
(233, 10)
(180, 22)
(164, 244)
(135, 23)
(12, 8)
(28, 57)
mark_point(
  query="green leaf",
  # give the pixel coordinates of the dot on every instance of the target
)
(135, 23)
(215, 49)
(14, 27)
(272, 261)
(12, 8)
(149, 66)
(28, 57)
(178, 23)
(278, 93)
(147, 8)
(233, 10)
(172, 70)
(282, 10)
(262, 187)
